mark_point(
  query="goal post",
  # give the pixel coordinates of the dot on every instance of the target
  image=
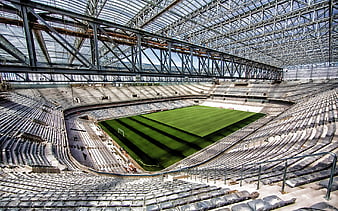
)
(120, 131)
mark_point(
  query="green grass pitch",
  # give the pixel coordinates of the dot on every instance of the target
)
(158, 140)
(199, 120)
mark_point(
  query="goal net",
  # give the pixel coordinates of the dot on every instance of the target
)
(120, 131)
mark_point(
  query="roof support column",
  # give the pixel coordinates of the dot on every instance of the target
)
(136, 55)
(139, 49)
(208, 64)
(191, 60)
(222, 68)
(29, 40)
(169, 57)
(95, 48)
(232, 68)
(330, 36)
(330, 31)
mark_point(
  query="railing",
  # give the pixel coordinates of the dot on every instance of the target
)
(259, 164)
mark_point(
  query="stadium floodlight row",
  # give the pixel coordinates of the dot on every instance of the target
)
(53, 154)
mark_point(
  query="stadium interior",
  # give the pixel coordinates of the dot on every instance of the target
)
(68, 66)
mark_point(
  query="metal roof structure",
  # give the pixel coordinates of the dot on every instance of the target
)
(275, 33)
(279, 32)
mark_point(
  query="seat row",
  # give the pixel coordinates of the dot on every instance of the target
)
(293, 133)
(79, 190)
(93, 94)
(27, 125)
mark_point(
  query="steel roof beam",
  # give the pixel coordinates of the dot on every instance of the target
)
(275, 20)
(275, 32)
(42, 44)
(122, 37)
(93, 10)
(107, 24)
(138, 19)
(208, 7)
(295, 55)
(29, 37)
(190, 16)
(12, 50)
(165, 9)
(215, 34)
(148, 14)
(206, 28)
(62, 41)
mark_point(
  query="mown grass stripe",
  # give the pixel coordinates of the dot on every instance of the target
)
(168, 129)
(128, 124)
(159, 145)
(191, 134)
(159, 157)
(234, 127)
(189, 137)
(164, 133)
(199, 120)
(132, 149)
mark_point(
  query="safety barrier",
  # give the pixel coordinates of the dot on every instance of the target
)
(285, 160)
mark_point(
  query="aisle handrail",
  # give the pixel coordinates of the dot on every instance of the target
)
(259, 164)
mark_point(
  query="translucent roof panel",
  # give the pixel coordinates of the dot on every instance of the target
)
(277, 32)
(78, 6)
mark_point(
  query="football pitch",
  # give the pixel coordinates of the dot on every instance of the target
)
(158, 140)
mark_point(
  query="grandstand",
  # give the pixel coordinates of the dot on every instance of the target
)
(65, 66)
